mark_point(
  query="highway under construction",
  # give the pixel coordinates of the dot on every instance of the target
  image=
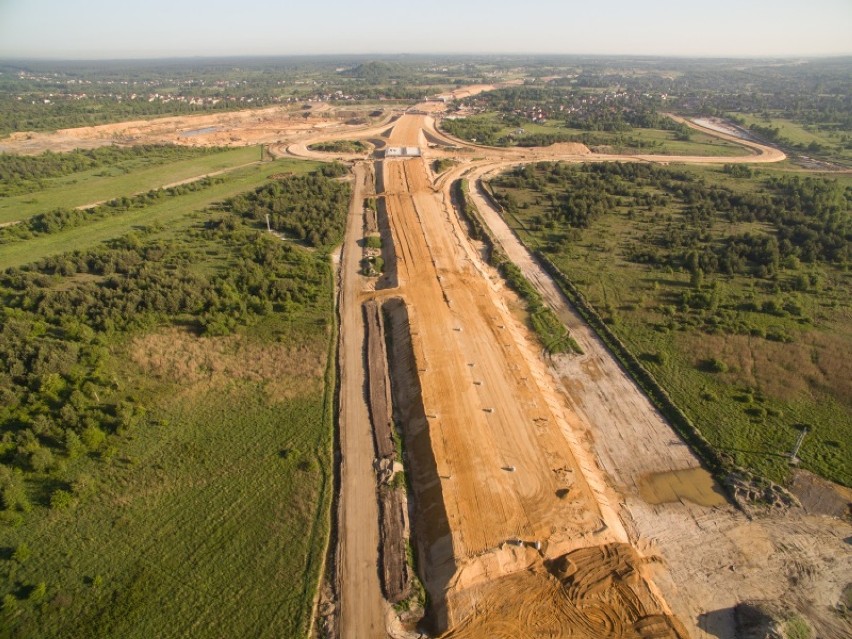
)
(523, 504)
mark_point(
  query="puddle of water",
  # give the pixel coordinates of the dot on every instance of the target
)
(194, 132)
(692, 484)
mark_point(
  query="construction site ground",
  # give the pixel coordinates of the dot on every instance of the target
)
(550, 497)
(517, 490)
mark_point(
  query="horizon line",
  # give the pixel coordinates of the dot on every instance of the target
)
(672, 56)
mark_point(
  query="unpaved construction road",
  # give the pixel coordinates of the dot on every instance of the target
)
(362, 608)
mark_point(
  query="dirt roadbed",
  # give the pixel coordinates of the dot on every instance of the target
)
(504, 489)
(362, 608)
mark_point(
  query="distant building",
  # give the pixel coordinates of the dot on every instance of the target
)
(402, 152)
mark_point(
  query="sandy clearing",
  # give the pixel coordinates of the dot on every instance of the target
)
(231, 128)
(475, 89)
(572, 597)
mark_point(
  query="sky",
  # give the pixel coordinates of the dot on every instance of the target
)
(105, 29)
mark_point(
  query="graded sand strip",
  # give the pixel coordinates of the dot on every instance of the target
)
(516, 486)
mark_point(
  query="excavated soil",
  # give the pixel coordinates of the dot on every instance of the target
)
(502, 486)
(822, 497)
(395, 582)
(233, 128)
(590, 593)
(377, 382)
(394, 568)
(430, 523)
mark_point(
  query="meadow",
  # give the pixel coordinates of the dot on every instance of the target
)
(823, 140)
(161, 210)
(124, 178)
(746, 337)
(491, 129)
(167, 423)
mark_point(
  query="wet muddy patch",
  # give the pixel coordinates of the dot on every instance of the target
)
(690, 484)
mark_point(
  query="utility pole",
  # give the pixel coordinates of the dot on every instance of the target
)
(794, 456)
(268, 227)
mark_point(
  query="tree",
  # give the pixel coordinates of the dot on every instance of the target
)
(696, 280)
(38, 592)
(61, 499)
(93, 437)
(22, 553)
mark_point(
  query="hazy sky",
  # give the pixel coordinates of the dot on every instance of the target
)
(160, 28)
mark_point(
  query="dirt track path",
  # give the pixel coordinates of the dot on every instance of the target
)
(362, 608)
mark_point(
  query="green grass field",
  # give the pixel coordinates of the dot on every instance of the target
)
(831, 144)
(644, 141)
(793, 131)
(209, 516)
(165, 212)
(123, 179)
(753, 409)
(198, 528)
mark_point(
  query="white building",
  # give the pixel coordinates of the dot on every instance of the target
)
(402, 152)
